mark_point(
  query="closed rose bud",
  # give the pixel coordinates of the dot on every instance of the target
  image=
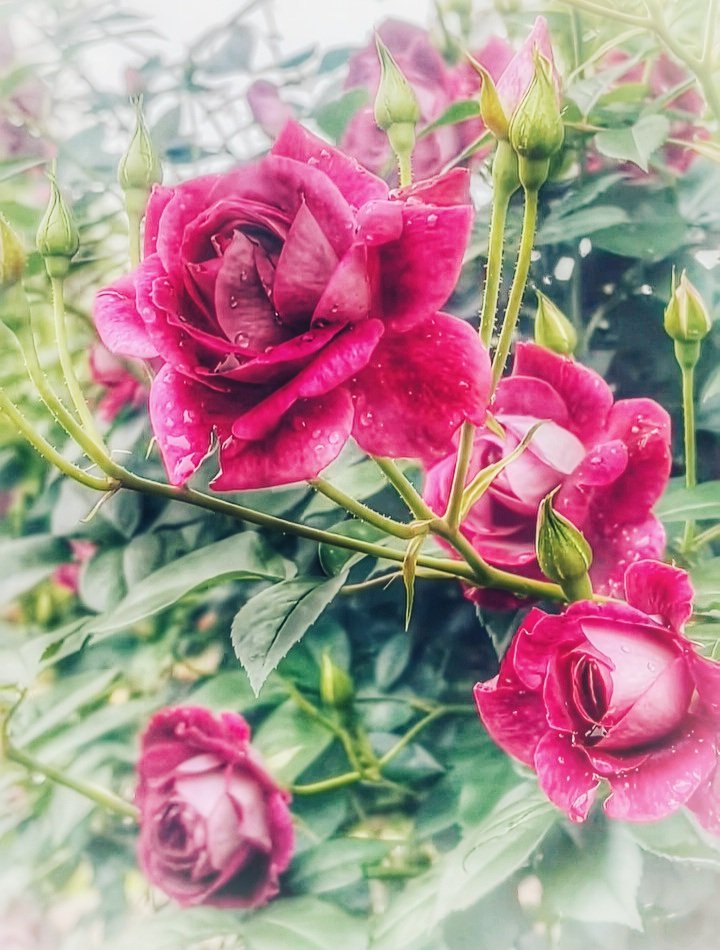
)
(563, 553)
(536, 130)
(139, 168)
(12, 255)
(395, 102)
(687, 321)
(553, 330)
(336, 687)
(58, 239)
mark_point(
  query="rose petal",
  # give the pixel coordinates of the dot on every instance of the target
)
(351, 290)
(527, 396)
(613, 551)
(514, 718)
(660, 589)
(355, 183)
(423, 265)
(520, 71)
(565, 775)
(307, 438)
(452, 188)
(118, 322)
(666, 779)
(419, 387)
(159, 198)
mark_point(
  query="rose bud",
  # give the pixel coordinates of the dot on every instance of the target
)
(139, 168)
(58, 239)
(612, 692)
(214, 826)
(336, 687)
(563, 553)
(396, 109)
(12, 255)
(553, 330)
(536, 130)
(687, 321)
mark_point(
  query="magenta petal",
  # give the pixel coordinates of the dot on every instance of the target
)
(419, 387)
(184, 414)
(159, 197)
(520, 71)
(660, 589)
(355, 183)
(453, 188)
(619, 547)
(379, 222)
(350, 291)
(706, 674)
(514, 718)
(528, 396)
(565, 775)
(705, 802)
(586, 394)
(304, 267)
(308, 437)
(666, 779)
(348, 352)
(185, 203)
(423, 265)
(118, 322)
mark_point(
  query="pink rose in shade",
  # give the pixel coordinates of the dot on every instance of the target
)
(68, 575)
(436, 86)
(611, 461)
(268, 109)
(214, 827)
(613, 692)
(685, 110)
(122, 388)
(293, 303)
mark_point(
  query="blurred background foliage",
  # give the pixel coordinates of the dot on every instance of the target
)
(103, 618)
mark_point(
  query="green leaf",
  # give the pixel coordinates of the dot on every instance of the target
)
(102, 583)
(596, 882)
(689, 504)
(27, 561)
(486, 856)
(677, 838)
(289, 741)
(636, 143)
(333, 117)
(707, 638)
(269, 624)
(567, 227)
(335, 864)
(706, 581)
(334, 560)
(459, 111)
(240, 557)
(304, 923)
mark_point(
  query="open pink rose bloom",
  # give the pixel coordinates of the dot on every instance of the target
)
(610, 460)
(613, 692)
(293, 303)
(214, 827)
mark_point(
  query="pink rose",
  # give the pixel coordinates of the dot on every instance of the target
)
(613, 692)
(214, 827)
(122, 389)
(611, 461)
(436, 86)
(68, 575)
(292, 303)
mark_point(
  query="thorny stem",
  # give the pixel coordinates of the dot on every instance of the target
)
(404, 488)
(688, 379)
(522, 269)
(493, 272)
(356, 508)
(464, 455)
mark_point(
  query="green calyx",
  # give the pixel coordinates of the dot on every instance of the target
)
(336, 687)
(553, 330)
(686, 317)
(491, 110)
(139, 168)
(536, 130)
(563, 553)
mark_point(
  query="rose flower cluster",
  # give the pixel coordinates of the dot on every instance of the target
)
(296, 302)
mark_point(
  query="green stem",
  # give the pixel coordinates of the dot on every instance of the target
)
(405, 489)
(43, 447)
(134, 240)
(410, 735)
(326, 785)
(363, 512)
(612, 13)
(522, 268)
(404, 168)
(706, 537)
(505, 184)
(688, 386)
(462, 463)
(314, 713)
(71, 379)
(101, 796)
(711, 18)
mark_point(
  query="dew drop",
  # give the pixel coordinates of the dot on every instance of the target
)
(366, 418)
(233, 302)
(432, 220)
(242, 339)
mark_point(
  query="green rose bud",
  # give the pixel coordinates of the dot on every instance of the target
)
(139, 168)
(58, 239)
(336, 687)
(553, 330)
(687, 321)
(536, 130)
(563, 553)
(12, 255)
(395, 102)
